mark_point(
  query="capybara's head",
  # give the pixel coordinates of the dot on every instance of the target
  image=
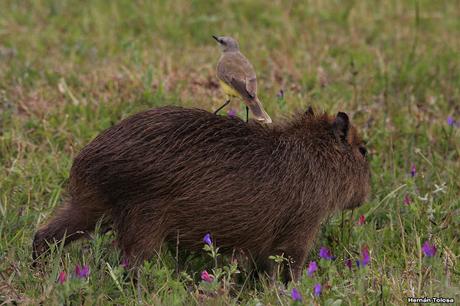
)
(351, 155)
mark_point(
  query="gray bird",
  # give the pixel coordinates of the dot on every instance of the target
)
(238, 79)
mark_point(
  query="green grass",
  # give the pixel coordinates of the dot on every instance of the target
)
(69, 69)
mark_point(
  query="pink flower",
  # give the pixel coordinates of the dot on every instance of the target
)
(413, 170)
(82, 272)
(312, 267)
(62, 277)
(125, 262)
(205, 276)
(362, 220)
(429, 249)
(407, 200)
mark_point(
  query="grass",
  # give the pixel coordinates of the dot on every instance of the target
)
(70, 69)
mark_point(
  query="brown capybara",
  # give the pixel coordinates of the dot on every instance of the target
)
(173, 172)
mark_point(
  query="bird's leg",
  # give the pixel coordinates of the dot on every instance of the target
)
(247, 114)
(225, 104)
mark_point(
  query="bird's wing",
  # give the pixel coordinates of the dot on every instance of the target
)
(241, 87)
(235, 70)
(251, 85)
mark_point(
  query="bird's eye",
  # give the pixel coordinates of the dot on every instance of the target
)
(363, 151)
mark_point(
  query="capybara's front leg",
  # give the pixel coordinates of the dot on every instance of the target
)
(293, 268)
(140, 233)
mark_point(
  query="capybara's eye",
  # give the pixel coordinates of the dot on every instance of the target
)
(363, 151)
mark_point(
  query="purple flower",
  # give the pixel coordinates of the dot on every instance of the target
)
(312, 267)
(82, 272)
(366, 258)
(125, 262)
(429, 249)
(62, 277)
(295, 294)
(348, 263)
(413, 170)
(361, 220)
(325, 253)
(207, 239)
(317, 289)
(280, 94)
(231, 113)
(205, 276)
(450, 121)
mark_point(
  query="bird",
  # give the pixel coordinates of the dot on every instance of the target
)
(238, 79)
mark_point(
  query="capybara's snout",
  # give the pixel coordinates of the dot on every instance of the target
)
(39, 245)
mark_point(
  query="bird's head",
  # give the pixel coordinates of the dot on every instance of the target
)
(226, 43)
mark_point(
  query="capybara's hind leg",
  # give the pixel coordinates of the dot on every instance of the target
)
(139, 234)
(70, 222)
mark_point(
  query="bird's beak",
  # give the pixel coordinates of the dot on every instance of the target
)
(216, 38)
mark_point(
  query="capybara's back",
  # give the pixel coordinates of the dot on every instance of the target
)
(171, 173)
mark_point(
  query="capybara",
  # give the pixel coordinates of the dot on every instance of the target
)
(174, 173)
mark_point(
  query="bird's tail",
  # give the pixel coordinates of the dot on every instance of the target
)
(258, 110)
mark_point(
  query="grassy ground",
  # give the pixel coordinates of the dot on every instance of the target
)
(69, 69)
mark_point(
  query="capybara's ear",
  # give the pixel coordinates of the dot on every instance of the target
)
(341, 125)
(309, 112)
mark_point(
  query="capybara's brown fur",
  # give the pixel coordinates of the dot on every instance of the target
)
(174, 172)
